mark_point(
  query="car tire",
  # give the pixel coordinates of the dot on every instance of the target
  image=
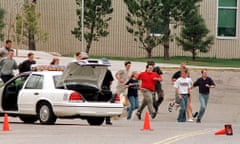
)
(95, 120)
(45, 113)
(28, 118)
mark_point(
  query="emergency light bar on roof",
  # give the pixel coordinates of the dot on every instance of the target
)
(94, 62)
(37, 67)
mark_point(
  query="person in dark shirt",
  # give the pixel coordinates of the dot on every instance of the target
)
(107, 81)
(159, 90)
(204, 84)
(133, 86)
(106, 85)
(26, 65)
(177, 74)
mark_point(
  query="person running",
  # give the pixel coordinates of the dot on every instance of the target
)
(148, 79)
(158, 95)
(183, 88)
(176, 101)
(204, 83)
(122, 77)
(132, 94)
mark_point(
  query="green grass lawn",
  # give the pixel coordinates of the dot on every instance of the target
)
(187, 60)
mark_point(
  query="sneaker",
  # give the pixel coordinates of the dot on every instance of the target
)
(154, 115)
(195, 114)
(155, 107)
(198, 120)
(126, 108)
(170, 107)
(138, 115)
(108, 123)
(190, 120)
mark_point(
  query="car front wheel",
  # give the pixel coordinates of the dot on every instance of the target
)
(95, 120)
(45, 114)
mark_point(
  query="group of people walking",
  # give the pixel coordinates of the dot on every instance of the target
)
(148, 83)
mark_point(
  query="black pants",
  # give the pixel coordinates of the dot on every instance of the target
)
(108, 119)
(160, 96)
(5, 78)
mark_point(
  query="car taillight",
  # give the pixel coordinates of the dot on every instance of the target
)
(75, 96)
(117, 98)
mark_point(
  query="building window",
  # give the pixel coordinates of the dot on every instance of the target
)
(227, 18)
(157, 29)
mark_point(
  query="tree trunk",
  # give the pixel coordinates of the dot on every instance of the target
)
(166, 50)
(166, 40)
(193, 54)
(88, 47)
(31, 42)
(149, 53)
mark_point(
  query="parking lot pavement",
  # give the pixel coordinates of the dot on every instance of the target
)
(122, 131)
(223, 108)
(224, 99)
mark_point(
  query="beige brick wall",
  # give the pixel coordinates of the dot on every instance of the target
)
(58, 18)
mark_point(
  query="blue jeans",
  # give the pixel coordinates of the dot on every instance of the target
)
(203, 98)
(183, 107)
(133, 105)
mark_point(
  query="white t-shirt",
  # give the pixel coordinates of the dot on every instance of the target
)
(183, 84)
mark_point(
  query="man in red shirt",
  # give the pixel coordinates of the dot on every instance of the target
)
(148, 79)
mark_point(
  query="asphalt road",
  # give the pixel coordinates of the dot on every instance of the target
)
(121, 132)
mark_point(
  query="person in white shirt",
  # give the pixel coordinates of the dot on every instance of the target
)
(183, 87)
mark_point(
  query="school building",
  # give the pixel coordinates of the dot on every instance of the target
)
(58, 18)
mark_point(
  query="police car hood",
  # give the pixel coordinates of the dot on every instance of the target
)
(87, 73)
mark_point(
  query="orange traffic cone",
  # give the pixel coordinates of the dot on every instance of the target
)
(146, 125)
(5, 123)
(220, 132)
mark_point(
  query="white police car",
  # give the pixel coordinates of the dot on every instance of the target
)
(47, 95)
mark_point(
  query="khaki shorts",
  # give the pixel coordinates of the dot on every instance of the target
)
(121, 90)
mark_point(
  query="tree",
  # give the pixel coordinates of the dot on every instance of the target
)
(194, 34)
(173, 12)
(142, 16)
(2, 24)
(96, 19)
(27, 27)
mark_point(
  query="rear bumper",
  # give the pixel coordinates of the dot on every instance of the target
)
(99, 110)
